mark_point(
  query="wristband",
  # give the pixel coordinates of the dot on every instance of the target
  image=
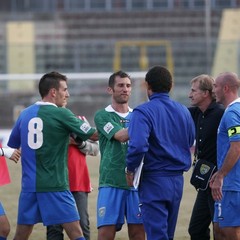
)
(2, 152)
(128, 172)
(7, 152)
(82, 145)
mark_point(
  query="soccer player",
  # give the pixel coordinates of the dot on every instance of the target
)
(12, 154)
(79, 182)
(161, 131)
(225, 183)
(115, 199)
(42, 131)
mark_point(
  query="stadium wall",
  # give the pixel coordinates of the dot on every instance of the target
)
(86, 43)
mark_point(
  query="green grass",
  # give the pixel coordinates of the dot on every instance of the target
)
(10, 193)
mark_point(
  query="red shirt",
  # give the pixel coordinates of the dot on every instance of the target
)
(79, 179)
(4, 173)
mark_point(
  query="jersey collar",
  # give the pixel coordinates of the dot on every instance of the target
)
(45, 103)
(109, 108)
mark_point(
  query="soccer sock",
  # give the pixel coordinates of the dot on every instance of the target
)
(3, 238)
(81, 238)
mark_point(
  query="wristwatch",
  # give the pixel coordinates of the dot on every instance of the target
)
(128, 172)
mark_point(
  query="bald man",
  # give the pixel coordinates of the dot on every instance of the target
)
(225, 183)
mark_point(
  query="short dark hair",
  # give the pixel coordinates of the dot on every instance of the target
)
(50, 80)
(159, 79)
(120, 73)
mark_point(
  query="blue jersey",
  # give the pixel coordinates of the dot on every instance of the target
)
(161, 130)
(229, 131)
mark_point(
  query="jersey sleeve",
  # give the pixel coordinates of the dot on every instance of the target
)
(233, 125)
(15, 137)
(106, 124)
(82, 129)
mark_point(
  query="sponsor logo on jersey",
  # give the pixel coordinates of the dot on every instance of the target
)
(124, 121)
(108, 127)
(85, 127)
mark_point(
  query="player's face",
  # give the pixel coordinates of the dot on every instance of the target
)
(62, 95)
(196, 95)
(121, 90)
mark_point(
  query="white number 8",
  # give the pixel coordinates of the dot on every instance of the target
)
(35, 134)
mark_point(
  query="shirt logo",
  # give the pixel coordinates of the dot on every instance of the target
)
(124, 121)
(101, 211)
(85, 127)
(204, 169)
(108, 127)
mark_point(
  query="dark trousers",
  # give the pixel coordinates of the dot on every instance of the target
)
(202, 216)
(55, 232)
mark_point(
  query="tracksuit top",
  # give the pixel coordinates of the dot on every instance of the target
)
(162, 131)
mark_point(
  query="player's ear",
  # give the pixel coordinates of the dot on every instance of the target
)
(109, 90)
(148, 87)
(52, 92)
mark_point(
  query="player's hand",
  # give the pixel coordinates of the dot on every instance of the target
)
(129, 179)
(15, 155)
(216, 183)
(72, 141)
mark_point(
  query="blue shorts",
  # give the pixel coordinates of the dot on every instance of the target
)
(2, 212)
(227, 211)
(114, 204)
(47, 207)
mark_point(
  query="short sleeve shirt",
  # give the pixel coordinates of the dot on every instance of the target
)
(113, 152)
(42, 131)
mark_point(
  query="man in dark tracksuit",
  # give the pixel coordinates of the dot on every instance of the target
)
(162, 131)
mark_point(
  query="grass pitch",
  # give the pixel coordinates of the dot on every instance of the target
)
(10, 193)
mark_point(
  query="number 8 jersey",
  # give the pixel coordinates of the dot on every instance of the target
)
(42, 132)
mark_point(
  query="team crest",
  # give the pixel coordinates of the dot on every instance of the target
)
(101, 211)
(204, 169)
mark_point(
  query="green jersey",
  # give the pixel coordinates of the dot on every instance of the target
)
(113, 152)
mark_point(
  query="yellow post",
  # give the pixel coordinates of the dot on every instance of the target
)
(143, 61)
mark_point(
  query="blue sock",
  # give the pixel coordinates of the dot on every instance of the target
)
(3, 238)
(81, 238)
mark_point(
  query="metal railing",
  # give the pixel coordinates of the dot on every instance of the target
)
(185, 58)
(15, 6)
